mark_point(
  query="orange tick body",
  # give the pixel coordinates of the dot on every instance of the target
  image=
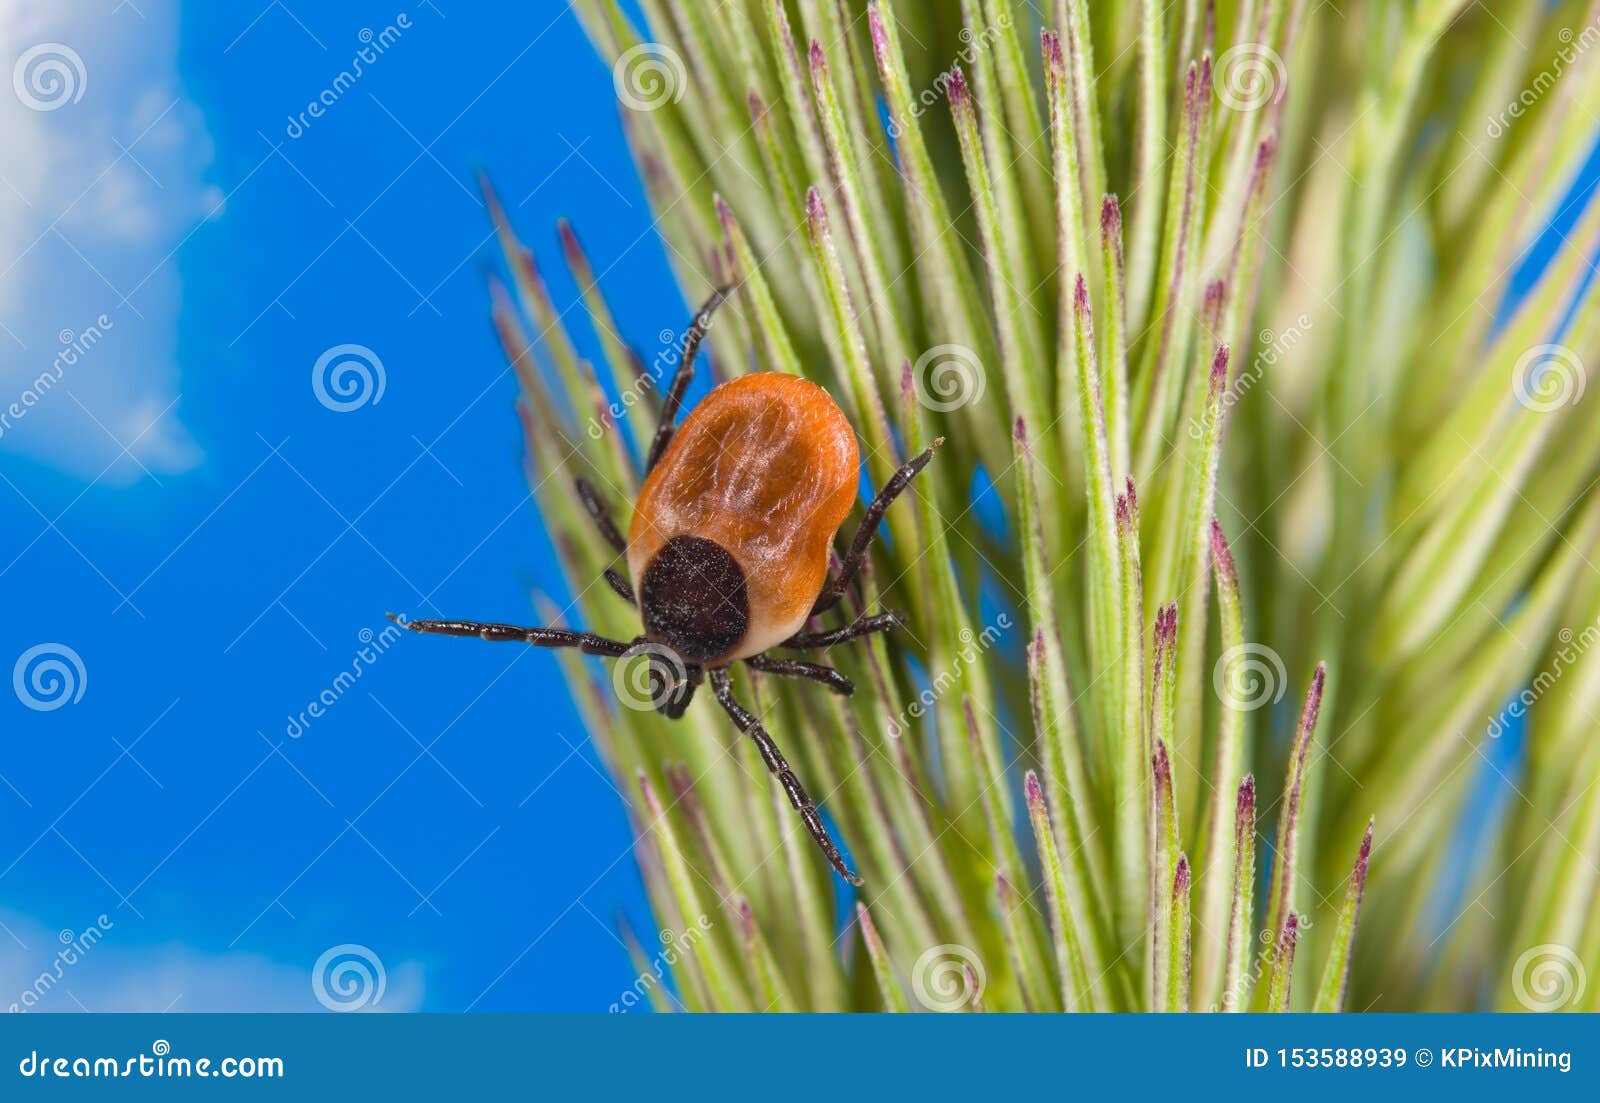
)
(765, 468)
(728, 549)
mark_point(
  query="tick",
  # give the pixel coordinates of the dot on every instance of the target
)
(728, 549)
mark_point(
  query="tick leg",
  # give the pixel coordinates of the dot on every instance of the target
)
(608, 532)
(587, 642)
(834, 590)
(862, 626)
(797, 668)
(749, 725)
(680, 382)
(620, 585)
(675, 706)
(600, 515)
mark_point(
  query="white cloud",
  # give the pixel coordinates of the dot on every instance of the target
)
(46, 970)
(102, 179)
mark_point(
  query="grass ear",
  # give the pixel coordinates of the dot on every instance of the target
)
(1303, 323)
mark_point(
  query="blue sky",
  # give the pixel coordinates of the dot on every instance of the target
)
(215, 546)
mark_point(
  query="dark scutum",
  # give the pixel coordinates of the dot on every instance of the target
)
(693, 599)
